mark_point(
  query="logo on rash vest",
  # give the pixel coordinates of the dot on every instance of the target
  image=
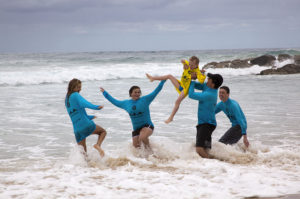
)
(133, 107)
(73, 111)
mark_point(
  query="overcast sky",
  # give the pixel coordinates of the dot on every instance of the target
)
(115, 25)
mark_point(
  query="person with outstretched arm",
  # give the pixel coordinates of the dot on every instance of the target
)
(206, 111)
(138, 109)
(83, 124)
(233, 111)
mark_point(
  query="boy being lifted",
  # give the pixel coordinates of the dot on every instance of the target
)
(190, 71)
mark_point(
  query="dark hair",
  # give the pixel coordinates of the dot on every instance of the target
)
(196, 59)
(132, 88)
(72, 85)
(226, 89)
(217, 79)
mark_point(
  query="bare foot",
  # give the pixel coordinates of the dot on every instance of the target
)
(168, 121)
(149, 77)
(99, 149)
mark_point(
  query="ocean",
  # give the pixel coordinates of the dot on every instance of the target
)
(39, 157)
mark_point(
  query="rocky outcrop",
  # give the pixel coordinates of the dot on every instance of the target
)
(237, 63)
(265, 60)
(287, 69)
(283, 57)
(297, 59)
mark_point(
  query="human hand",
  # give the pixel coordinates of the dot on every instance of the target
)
(202, 71)
(101, 89)
(245, 140)
(94, 117)
(194, 76)
(100, 107)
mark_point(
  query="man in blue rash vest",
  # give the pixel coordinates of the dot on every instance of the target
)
(236, 116)
(206, 111)
(138, 109)
(82, 123)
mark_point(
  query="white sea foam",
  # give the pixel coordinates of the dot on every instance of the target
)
(40, 159)
(174, 172)
(50, 75)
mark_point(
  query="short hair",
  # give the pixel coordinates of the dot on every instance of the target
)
(196, 59)
(226, 89)
(132, 88)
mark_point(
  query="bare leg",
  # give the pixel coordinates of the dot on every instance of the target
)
(144, 137)
(164, 77)
(176, 107)
(83, 144)
(101, 135)
(201, 151)
(136, 142)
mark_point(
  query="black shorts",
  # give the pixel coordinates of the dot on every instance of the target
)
(204, 132)
(232, 136)
(137, 131)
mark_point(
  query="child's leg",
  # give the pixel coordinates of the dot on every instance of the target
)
(164, 77)
(176, 107)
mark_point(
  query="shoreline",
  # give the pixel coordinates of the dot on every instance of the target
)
(290, 196)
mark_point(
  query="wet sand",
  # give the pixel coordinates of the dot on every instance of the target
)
(293, 196)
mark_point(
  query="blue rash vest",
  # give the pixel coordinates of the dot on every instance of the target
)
(207, 102)
(234, 112)
(138, 110)
(82, 123)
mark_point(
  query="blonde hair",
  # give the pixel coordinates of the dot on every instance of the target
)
(196, 59)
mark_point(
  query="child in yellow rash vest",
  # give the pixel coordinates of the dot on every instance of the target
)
(190, 71)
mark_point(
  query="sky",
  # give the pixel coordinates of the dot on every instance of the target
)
(147, 25)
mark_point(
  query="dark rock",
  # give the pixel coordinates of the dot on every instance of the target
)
(223, 64)
(287, 69)
(297, 59)
(239, 64)
(265, 60)
(282, 57)
(228, 64)
(210, 65)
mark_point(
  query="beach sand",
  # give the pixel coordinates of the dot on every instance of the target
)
(292, 196)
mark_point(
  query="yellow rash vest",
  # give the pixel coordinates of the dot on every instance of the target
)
(186, 79)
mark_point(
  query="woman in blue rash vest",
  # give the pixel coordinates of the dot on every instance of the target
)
(82, 123)
(138, 109)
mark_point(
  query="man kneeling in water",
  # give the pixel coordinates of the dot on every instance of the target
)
(236, 116)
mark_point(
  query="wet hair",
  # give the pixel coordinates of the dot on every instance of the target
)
(72, 85)
(132, 88)
(195, 59)
(226, 89)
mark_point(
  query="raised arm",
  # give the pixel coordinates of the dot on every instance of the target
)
(199, 86)
(112, 100)
(83, 103)
(201, 77)
(150, 97)
(193, 94)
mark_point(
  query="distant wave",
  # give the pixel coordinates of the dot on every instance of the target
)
(59, 75)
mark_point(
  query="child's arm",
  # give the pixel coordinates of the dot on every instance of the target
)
(200, 76)
(185, 64)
